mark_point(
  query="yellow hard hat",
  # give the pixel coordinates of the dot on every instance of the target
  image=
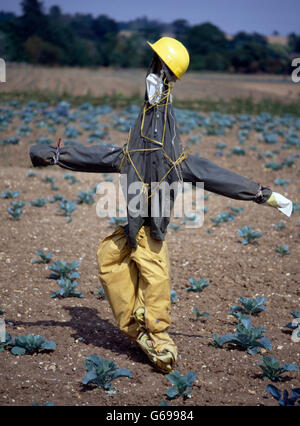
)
(173, 53)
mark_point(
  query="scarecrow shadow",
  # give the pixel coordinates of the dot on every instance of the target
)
(94, 330)
(177, 333)
(91, 329)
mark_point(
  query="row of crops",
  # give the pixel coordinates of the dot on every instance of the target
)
(101, 373)
(275, 142)
(276, 137)
(86, 117)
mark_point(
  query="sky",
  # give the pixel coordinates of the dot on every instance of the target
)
(262, 16)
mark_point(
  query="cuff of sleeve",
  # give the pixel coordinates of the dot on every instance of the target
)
(42, 155)
(263, 195)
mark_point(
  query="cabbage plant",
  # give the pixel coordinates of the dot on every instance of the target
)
(250, 306)
(273, 370)
(180, 384)
(246, 337)
(64, 270)
(9, 194)
(283, 250)
(67, 289)
(31, 344)
(66, 208)
(198, 285)
(102, 372)
(44, 257)
(285, 399)
(248, 234)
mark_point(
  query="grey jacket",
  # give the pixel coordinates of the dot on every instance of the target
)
(107, 159)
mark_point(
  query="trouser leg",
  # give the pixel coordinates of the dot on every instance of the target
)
(118, 274)
(152, 259)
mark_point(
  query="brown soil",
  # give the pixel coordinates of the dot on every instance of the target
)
(81, 327)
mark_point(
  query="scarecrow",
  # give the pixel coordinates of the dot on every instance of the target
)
(133, 261)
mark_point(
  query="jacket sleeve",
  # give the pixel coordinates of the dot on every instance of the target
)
(94, 159)
(222, 181)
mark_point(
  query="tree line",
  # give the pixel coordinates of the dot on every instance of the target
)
(56, 38)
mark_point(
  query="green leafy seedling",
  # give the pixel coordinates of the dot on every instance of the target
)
(198, 315)
(283, 250)
(64, 270)
(250, 306)
(296, 207)
(31, 344)
(9, 194)
(44, 257)
(164, 404)
(54, 187)
(198, 285)
(85, 197)
(55, 198)
(173, 296)
(100, 292)
(285, 399)
(102, 372)
(175, 227)
(116, 221)
(223, 217)
(66, 208)
(70, 178)
(49, 179)
(273, 370)
(15, 209)
(32, 174)
(246, 337)
(280, 225)
(180, 384)
(47, 404)
(248, 234)
(282, 182)
(67, 289)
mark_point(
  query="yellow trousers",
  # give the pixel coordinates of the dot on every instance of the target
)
(138, 277)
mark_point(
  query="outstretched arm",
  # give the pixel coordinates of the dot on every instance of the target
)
(94, 159)
(224, 182)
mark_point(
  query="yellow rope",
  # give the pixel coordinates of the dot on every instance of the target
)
(160, 102)
(144, 149)
(127, 152)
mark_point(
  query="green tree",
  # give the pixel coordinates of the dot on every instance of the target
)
(33, 20)
(294, 42)
(208, 47)
(242, 38)
(180, 29)
(42, 52)
(104, 25)
(206, 38)
(82, 26)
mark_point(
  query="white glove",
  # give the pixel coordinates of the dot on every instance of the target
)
(281, 203)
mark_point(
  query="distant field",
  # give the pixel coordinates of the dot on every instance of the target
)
(128, 82)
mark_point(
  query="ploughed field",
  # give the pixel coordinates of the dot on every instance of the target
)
(109, 81)
(214, 267)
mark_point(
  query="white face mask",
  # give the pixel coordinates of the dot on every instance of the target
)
(154, 86)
